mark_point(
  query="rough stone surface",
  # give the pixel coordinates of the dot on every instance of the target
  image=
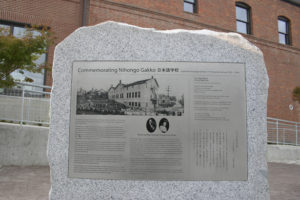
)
(122, 42)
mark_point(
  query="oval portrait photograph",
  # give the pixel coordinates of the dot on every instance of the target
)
(164, 125)
(151, 125)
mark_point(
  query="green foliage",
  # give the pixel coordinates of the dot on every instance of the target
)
(296, 94)
(21, 53)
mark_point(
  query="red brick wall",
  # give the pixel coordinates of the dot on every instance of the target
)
(62, 16)
(217, 14)
(283, 66)
(283, 62)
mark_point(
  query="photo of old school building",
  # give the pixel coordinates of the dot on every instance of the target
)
(143, 96)
(139, 94)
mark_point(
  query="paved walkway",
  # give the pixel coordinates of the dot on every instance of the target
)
(284, 181)
(24, 183)
(32, 183)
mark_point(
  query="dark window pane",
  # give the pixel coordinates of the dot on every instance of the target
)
(191, 1)
(241, 27)
(281, 26)
(282, 38)
(241, 14)
(283, 30)
(188, 7)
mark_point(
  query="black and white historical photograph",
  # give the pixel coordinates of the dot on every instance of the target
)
(164, 125)
(130, 95)
(151, 125)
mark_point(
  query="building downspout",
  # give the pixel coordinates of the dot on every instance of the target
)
(84, 12)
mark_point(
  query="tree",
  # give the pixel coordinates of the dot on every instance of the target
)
(296, 94)
(21, 53)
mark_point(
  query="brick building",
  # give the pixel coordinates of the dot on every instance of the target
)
(272, 25)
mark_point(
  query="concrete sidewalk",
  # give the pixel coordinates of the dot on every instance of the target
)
(24, 183)
(284, 181)
(32, 183)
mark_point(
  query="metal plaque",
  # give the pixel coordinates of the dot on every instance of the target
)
(158, 121)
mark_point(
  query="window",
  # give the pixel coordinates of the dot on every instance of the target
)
(18, 30)
(189, 6)
(139, 94)
(243, 23)
(284, 30)
(6, 27)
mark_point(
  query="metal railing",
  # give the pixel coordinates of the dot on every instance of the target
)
(283, 131)
(29, 103)
(25, 103)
